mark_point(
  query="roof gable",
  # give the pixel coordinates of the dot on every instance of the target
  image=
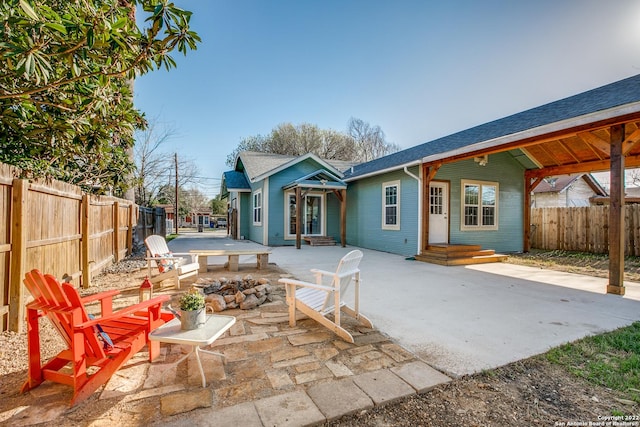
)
(258, 166)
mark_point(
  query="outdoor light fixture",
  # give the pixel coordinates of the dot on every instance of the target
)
(482, 160)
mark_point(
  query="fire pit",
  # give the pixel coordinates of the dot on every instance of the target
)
(244, 293)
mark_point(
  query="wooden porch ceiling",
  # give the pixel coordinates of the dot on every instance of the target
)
(580, 149)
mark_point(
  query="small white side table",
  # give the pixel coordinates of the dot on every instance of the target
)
(171, 332)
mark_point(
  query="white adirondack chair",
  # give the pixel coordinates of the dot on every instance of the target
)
(169, 265)
(317, 300)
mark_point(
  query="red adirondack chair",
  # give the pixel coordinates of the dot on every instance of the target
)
(103, 343)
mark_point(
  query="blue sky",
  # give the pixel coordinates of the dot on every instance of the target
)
(418, 69)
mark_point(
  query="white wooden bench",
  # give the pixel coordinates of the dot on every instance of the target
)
(233, 255)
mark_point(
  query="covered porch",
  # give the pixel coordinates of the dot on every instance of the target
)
(595, 131)
(304, 213)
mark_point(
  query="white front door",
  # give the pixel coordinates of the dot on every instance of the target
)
(438, 212)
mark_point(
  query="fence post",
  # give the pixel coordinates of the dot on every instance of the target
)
(19, 213)
(130, 230)
(86, 271)
(116, 231)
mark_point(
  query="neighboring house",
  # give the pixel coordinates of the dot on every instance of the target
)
(566, 191)
(193, 219)
(631, 196)
(470, 188)
(262, 193)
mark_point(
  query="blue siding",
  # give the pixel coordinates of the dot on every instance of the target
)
(502, 168)
(245, 215)
(364, 214)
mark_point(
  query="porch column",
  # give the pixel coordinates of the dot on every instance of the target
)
(529, 184)
(425, 208)
(298, 217)
(616, 213)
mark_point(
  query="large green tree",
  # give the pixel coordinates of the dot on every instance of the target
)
(66, 73)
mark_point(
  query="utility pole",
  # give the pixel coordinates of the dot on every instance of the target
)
(175, 215)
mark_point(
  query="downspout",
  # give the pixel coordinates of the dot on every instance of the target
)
(419, 179)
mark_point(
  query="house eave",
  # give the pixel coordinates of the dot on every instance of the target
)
(539, 131)
(383, 171)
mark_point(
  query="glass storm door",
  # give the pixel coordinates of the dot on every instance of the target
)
(312, 210)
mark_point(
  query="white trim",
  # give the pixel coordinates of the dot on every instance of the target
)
(385, 185)
(420, 195)
(480, 184)
(265, 210)
(255, 208)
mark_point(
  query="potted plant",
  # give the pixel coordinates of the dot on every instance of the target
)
(192, 309)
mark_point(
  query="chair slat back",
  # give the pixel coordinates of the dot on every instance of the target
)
(93, 346)
(347, 266)
(49, 294)
(156, 245)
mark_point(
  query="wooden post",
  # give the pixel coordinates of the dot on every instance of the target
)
(298, 217)
(616, 214)
(343, 218)
(86, 272)
(116, 231)
(425, 208)
(130, 230)
(19, 215)
(529, 184)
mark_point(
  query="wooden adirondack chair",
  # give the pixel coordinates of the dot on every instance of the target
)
(317, 300)
(169, 265)
(98, 345)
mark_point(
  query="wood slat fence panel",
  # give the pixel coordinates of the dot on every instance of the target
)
(584, 229)
(54, 227)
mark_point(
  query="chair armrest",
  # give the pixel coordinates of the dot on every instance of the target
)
(126, 311)
(306, 284)
(323, 272)
(99, 296)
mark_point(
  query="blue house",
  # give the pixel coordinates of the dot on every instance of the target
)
(453, 200)
(277, 200)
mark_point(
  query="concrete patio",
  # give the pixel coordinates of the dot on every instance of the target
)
(462, 320)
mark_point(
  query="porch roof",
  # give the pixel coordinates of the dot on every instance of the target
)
(320, 179)
(569, 135)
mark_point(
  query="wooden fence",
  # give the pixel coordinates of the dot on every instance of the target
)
(57, 229)
(584, 229)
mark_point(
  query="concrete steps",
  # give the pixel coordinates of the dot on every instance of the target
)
(446, 254)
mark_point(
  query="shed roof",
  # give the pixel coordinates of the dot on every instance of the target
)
(236, 181)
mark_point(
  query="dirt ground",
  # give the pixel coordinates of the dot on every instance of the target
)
(531, 392)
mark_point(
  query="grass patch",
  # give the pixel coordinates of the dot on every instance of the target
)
(611, 360)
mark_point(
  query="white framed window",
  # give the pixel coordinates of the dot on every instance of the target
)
(479, 205)
(391, 205)
(257, 207)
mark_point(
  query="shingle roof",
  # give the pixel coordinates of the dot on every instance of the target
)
(613, 95)
(256, 164)
(236, 181)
